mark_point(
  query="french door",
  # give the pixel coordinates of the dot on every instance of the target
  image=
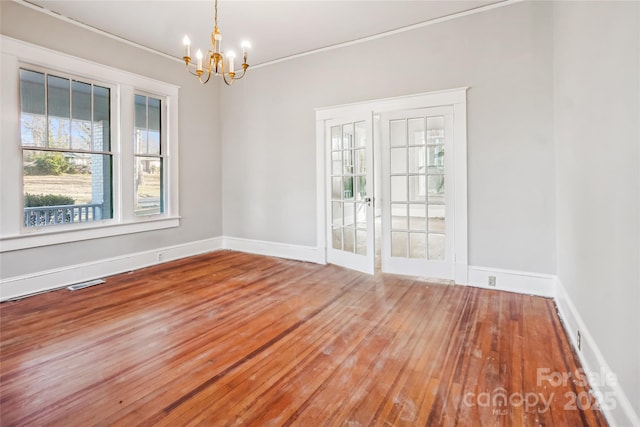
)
(417, 177)
(350, 212)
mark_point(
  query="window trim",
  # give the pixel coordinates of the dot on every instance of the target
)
(18, 54)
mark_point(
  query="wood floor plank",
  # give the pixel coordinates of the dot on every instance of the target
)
(229, 338)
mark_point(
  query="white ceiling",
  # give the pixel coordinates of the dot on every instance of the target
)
(276, 29)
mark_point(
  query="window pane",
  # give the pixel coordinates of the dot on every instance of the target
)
(101, 119)
(154, 114)
(32, 92)
(61, 188)
(81, 98)
(33, 124)
(140, 111)
(81, 115)
(148, 186)
(154, 126)
(58, 111)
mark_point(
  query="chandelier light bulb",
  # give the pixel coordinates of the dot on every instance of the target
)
(199, 60)
(187, 46)
(230, 57)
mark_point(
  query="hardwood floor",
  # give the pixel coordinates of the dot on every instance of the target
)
(237, 339)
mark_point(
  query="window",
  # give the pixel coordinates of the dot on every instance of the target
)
(148, 156)
(88, 151)
(66, 157)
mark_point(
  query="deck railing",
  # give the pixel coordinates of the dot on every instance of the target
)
(62, 214)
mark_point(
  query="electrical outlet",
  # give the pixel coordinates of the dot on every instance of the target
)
(160, 256)
(492, 280)
(579, 341)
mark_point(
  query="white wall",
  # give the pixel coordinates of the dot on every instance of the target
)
(199, 144)
(597, 119)
(504, 55)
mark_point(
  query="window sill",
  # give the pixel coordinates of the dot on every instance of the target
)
(53, 236)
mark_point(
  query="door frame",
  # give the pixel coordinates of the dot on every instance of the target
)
(457, 98)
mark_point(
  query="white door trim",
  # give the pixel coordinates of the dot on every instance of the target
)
(454, 97)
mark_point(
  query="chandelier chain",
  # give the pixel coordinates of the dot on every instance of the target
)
(216, 14)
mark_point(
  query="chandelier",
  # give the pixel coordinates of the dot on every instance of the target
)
(215, 62)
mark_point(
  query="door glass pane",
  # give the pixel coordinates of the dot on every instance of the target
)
(336, 188)
(335, 137)
(336, 162)
(336, 234)
(417, 218)
(349, 214)
(416, 183)
(435, 130)
(361, 187)
(397, 135)
(336, 213)
(437, 218)
(347, 189)
(347, 136)
(416, 132)
(398, 160)
(361, 215)
(417, 160)
(399, 244)
(361, 242)
(399, 188)
(436, 247)
(361, 161)
(349, 240)
(417, 245)
(361, 134)
(435, 155)
(399, 217)
(435, 188)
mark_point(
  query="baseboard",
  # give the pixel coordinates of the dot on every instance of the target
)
(616, 406)
(279, 250)
(29, 284)
(513, 281)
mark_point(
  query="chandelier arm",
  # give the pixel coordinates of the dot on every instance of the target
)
(241, 75)
(228, 82)
(191, 72)
(207, 79)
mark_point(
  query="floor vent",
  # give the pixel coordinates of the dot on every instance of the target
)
(85, 284)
